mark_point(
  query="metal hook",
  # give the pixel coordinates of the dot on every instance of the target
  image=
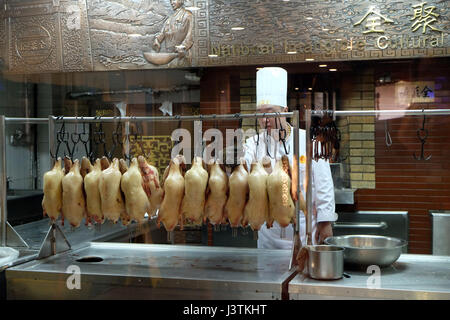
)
(75, 137)
(257, 135)
(283, 140)
(84, 138)
(99, 137)
(267, 136)
(141, 140)
(115, 139)
(177, 116)
(63, 137)
(53, 156)
(387, 134)
(422, 134)
(127, 141)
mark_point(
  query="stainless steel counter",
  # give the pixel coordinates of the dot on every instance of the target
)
(34, 233)
(146, 271)
(410, 277)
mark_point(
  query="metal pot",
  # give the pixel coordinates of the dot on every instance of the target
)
(365, 250)
(325, 262)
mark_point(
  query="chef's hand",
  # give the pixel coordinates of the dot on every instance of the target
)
(324, 230)
(181, 51)
(156, 45)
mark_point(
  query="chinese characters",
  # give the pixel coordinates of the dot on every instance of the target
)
(373, 24)
(424, 17)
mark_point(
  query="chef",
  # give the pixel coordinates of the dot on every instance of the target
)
(177, 33)
(271, 96)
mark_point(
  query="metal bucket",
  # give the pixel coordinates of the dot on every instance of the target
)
(325, 262)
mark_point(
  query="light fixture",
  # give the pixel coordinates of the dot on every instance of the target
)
(237, 28)
(309, 59)
(291, 52)
(332, 69)
(322, 65)
(338, 39)
(310, 89)
(309, 18)
(296, 89)
(212, 55)
(192, 77)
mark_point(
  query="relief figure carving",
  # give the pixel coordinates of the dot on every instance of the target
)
(175, 37)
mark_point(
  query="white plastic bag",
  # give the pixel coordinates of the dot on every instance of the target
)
(7, 255)
(166, 108)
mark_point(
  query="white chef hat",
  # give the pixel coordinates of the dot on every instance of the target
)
(271, 86)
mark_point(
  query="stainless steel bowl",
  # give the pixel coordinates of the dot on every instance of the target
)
(365, 250)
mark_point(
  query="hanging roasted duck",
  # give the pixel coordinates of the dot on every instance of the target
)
(73, 200)
(256, 210)
(195, 183)
(238, 194)
(170, 210)
(151, 185)
(325, 137)
(91, 174)
(136, 201)
(52, 200)
(110, 194)
(216, 194)
(124, 216)
(281, 205)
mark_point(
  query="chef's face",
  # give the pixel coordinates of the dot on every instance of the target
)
(269, 123)
(176, 4)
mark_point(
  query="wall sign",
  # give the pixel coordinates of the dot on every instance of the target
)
(93, 35)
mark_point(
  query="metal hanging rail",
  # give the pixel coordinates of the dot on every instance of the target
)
(235, 116)
(371, 113)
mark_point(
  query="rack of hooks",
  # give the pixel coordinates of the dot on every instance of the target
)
(97, 141)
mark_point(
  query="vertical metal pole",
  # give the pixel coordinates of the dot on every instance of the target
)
(126, 144)
(51, 140)
(309, 176)
(296, 245)
(296, 165)
(4, 213)
(198, 139)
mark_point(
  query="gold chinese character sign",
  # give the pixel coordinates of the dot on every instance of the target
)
(424, 17)
(373, 19)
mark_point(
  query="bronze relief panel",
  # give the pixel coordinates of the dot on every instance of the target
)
(95, 35)
(142, 34)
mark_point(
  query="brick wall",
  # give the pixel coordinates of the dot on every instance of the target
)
(358, 133)
(403, 183)
(248, 97)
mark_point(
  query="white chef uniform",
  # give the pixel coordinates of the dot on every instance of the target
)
(271, 89)
(322, 188)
